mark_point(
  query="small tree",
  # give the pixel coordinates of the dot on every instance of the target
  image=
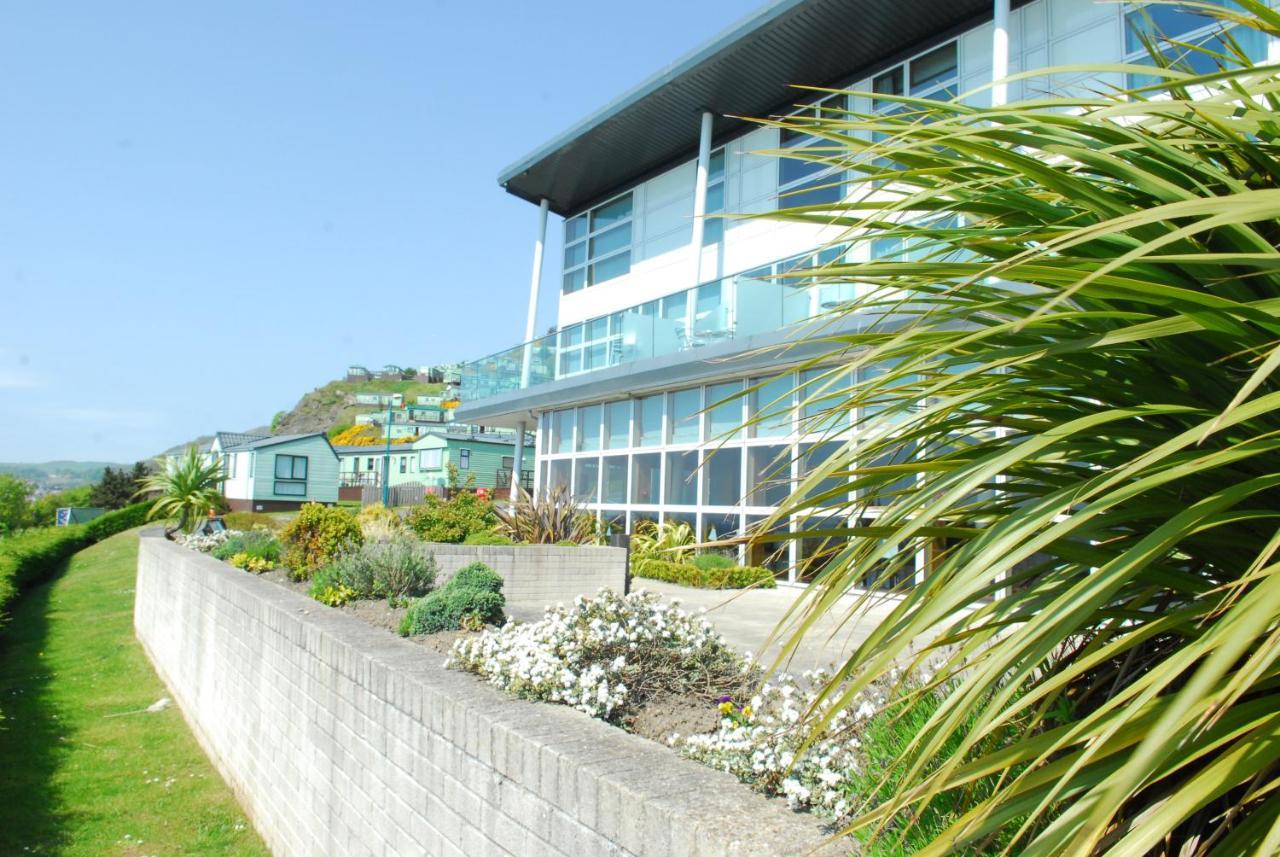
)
(187, 490)
(118, 488)
(15, 506)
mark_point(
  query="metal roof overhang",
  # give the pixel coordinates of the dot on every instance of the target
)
(749, 70)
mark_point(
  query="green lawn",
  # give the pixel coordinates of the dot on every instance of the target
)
(84, 769)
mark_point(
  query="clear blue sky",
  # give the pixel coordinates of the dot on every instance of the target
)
(209, 208)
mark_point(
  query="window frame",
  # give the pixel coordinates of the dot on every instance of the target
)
(823, 180)
(292, 480)
(586, 265)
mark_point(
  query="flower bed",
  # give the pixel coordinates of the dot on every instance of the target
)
(716, 577)
(607, 656)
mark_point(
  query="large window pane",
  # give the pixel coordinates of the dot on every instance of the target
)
(559, 475)
(611, 212)
(823, 393)
(685, 405)
(722, 474)
(769, 472)
(615, 479)
(614, 266)
(819, 550)
(771, 404)
(615, 239)
(682, 479)
(814, 456)
(617, 424)
(644, 478)
(562, 431)
(773, 555)
(724, 417)
(586, 479)
(934, 74)
(649, 420)
(589, 428)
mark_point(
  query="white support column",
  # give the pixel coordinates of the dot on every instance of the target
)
(535, 284)
(700, 194)
(517, 467)
(1000, 54)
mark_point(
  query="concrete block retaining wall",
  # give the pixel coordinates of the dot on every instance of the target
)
(339, 738)
(537, 575)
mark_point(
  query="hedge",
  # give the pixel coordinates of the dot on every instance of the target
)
(32, 556)
(687, 574)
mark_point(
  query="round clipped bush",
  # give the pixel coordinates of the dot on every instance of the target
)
(473, 596)
(318, 536)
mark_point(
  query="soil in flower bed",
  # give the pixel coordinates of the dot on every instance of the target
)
(657, 720)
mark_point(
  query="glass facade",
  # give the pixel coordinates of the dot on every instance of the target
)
(683, 456)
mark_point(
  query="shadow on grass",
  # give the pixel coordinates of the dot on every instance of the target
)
(32, 820)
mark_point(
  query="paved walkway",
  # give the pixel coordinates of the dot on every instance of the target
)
(747, 618)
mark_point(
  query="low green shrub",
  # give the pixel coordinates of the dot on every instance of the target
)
(451, 521)
(712, 561)
(251, 521)
(487, 539)
(248, 562)
(379, 524)
(257, 544)
(118, 521)
(396, 569)
(473, 595)
(688, 574)
(318, 536)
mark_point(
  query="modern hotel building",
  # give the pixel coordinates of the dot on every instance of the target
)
(665, 311)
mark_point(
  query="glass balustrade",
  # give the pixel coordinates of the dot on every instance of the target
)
(736, 307)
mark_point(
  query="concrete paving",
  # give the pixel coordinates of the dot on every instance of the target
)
(747, 618)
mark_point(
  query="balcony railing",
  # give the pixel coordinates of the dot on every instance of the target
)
(758, 301)
(502, 478)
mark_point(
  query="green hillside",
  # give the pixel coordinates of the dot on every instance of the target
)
(333, 405)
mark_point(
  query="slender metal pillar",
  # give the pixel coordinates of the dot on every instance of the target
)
(518, 466)
(700, 194)
(1000, 54)
(535, 284)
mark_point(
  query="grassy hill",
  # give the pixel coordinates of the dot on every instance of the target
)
(333, 405)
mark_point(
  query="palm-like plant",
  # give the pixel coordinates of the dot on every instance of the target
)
(557, 516)
(1074, 410)
(670, 540)
(186, 490)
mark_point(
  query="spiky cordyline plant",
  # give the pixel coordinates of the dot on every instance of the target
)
(1091, 457)
(188, 489)
(556, 516)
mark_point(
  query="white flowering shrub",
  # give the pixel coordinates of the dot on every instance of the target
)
(606, 655)
(205, 544)
(759, 741)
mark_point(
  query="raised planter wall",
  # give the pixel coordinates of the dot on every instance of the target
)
(537, 575)
(339, 738)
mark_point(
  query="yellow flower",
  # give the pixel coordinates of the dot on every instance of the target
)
(746, 711)
(726, 707)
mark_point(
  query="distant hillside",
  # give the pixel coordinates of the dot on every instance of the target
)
(323, 409)
(333, 405)
(49, 476)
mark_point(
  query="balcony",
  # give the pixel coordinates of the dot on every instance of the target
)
(760, 301)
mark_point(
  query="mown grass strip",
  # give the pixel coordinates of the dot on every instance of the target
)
(87, 770)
